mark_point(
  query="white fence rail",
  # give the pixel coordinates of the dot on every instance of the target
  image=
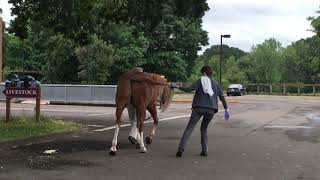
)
(91, 94)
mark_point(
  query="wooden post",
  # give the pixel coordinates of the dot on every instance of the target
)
(37, 109)
(314, 90)
(284, 89)
(270, 89)
(1, 45)
(8, 109)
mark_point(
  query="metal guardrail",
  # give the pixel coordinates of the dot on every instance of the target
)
(91, 94)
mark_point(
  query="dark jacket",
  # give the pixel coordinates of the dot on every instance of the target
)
(202, 99)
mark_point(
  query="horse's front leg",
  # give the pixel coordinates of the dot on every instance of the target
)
(153, 111)
(133, 136)
(141, 114)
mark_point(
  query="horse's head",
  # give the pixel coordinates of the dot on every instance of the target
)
(165, 92)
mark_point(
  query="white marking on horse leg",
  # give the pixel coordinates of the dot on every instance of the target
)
(143, 149)
(134, 130)
(153, 131)
(138, 137)
(115, 139)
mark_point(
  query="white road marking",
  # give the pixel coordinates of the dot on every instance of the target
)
(94, 125)
(98, 114)
(290, 127)
(149, 121)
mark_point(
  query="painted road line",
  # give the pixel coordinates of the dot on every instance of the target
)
(289, 127)
(98, 114)
(149, 121)
(96, 125)
(190, 101)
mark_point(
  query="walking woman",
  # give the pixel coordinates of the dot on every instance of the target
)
(204, 104)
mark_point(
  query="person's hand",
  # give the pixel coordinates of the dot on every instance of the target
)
(226, 115)
(173, 85)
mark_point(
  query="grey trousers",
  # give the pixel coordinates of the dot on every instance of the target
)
(196, 114)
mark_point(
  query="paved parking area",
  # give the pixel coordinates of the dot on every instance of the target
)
(268, 137)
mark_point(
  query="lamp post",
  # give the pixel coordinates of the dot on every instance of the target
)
(1, 44)
(222, 36)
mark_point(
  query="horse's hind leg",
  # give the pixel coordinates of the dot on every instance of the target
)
(153, 111)
(141, 114)
(119, 111)
(134, 128)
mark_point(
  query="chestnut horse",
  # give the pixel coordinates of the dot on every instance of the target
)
(140, 91)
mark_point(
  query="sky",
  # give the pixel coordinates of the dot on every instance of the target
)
(249, 22)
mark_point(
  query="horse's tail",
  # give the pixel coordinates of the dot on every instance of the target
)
(166, 98)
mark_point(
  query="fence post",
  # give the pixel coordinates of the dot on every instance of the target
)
(258, 90)
(270, 88)
(314, 90)
(65, 94)
(298, 89)
(284, 89)
(38, 109)
(8, 109)
(91, 98)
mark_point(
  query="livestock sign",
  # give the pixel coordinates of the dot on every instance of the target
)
(22, 93)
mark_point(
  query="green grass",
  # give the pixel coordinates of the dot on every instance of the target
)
(23, 127)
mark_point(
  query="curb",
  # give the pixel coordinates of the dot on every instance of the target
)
(190, 101)
(182, 101)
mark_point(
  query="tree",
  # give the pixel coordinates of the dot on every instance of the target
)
(70, 18)
(95, 61)
(15, 52)
(59, 62)
(227, 52)
(169, 30)
(211, 57)
(266, 59)
(141, 31)
(302, 61)
(315, 23)
(233, 73)
(129, 45)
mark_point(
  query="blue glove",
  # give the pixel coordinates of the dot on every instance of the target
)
(173, 85)
(226, 116)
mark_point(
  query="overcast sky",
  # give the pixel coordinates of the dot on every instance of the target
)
(249, 22)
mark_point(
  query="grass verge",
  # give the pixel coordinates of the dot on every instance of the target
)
(23, 127)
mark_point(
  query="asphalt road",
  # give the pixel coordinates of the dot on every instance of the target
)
(267, 138)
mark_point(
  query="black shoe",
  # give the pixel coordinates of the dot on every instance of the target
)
(179, 154)
(203, 153)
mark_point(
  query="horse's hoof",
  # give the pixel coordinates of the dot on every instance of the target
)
(143, 150)
(132, 140)
(112, 153)
(138, 146)
(148, 140)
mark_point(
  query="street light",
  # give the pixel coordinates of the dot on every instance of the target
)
(222, 36)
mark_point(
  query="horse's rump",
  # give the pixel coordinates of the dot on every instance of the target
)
(156, 86)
